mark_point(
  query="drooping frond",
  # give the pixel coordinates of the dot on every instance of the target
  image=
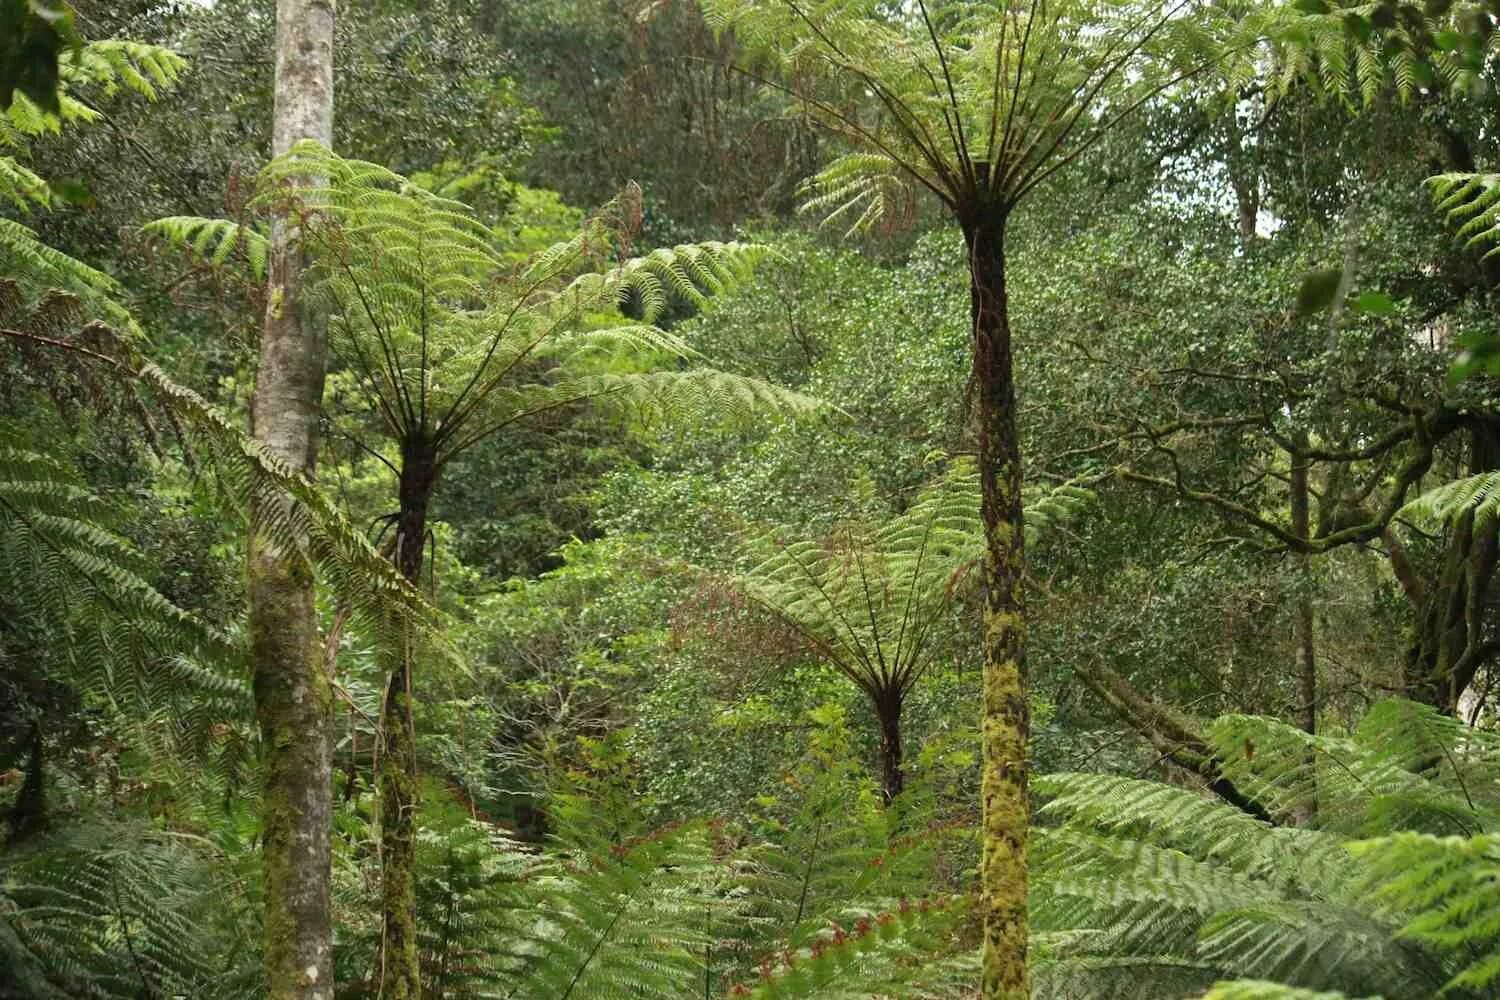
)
(126, 912)
(1134, 879)
(215, 241)
(1478, 495)
(103, 67)
(452, 340)
(1470, 202)
(75, 586)
(239, 468)
(868, 597)
(1356, 51)
(32, 269)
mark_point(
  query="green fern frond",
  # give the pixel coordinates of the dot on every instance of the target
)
(1449, 890)
(1471, 202)
(214, 241)
(129, 912)
(1249, 989)
(81, 586)
(1133, 878)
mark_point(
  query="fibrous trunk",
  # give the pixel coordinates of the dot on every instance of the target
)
(888, 711)
(399, 964)
(1006, 720)
(293, 703)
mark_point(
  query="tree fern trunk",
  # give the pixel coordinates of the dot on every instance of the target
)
(892, 778)
(399, 965)
(293, 701)
(1006, 720)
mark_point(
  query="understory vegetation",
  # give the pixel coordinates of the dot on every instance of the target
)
(749, 498)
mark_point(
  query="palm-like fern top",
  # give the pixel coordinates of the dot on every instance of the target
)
(452, 340)
(868, 598)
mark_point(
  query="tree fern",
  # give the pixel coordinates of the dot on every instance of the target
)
(120, 912)
(1145, 883)
(105, 68)
(870, 598)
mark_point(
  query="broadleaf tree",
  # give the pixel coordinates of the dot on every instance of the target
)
(293, 700)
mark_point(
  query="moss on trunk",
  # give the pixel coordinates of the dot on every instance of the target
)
(399, 968)
(1006, 724)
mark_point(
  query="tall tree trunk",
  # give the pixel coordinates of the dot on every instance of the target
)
(888, 712)
(293, 700)
(1307, 666)
(400, 970)
(1006, 725)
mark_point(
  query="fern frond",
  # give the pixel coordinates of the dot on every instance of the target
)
(1249, 989)
(1471, 202)
(214, 241)
(129, 912)
(1449, 888)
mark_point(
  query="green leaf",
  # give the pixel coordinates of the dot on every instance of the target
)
(1318, 289)
(1446, 40)
(1374, 304)
(32, 38)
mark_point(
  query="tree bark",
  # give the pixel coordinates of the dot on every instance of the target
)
(399, 963)
(28, 814)
(1006, 723)
(293, 699)
(888, 711)
(1307, 665)
(1451, 639)
(1168, 734)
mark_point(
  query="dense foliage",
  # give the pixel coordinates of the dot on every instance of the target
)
(653, 527)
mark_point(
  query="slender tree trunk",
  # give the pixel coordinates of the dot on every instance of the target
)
(1006, 726)
(293, 700)
(400, 970)
(1307, 666)
(888, 711)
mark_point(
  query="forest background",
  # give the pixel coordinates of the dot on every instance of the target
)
(689, 624)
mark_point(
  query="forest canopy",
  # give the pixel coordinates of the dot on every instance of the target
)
(749, 498)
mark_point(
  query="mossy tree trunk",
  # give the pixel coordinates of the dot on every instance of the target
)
(293, 702)
(1450, 639)
(399, 964)
(1006, 720)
